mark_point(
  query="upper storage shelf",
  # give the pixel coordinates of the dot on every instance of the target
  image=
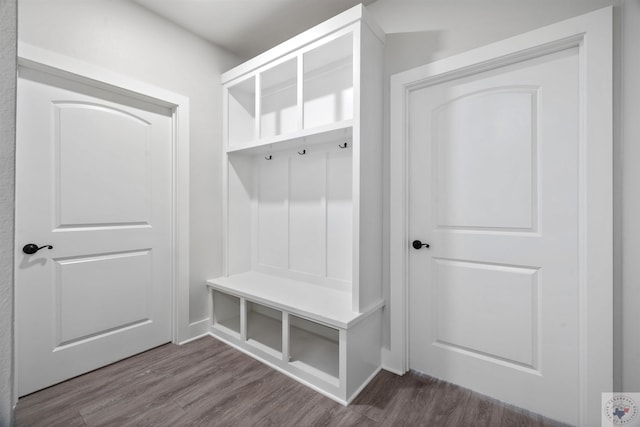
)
(328, 83)
(242, 112)
(279, 99)
(297, 89)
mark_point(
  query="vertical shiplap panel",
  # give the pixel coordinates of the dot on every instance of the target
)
(272, 212)
(339, 214)
(307, 187)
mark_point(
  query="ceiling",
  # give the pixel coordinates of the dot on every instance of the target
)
(247, 27)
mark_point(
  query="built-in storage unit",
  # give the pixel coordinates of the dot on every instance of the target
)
(302, 286)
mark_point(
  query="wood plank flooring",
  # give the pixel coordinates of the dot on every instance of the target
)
(207, 383)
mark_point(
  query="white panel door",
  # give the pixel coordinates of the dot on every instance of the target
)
(493, 163)
(94, 182)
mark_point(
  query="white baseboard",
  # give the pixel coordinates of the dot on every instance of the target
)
(392, 370)
(390, 362)
(197, 330)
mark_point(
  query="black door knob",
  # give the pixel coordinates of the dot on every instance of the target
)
(417, 244)
(32, 248)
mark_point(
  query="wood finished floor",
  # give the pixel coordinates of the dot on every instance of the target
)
(207, 383)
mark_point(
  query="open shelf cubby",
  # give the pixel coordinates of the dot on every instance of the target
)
(302, 214)
(315, 348)
(264, 328)
(226, 312)
(279, 99)
(241, 112)
(328, 82)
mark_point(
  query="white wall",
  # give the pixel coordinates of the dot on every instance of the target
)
(421, 31)
(123, 37)
(627, 289)
(7, 162)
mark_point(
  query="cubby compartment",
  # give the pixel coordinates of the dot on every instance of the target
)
(241, 112)
(315, 348)
(264, 328)
(328, 82)
(226, 312)
(279, 99)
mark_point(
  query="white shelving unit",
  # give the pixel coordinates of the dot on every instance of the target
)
(302, 288)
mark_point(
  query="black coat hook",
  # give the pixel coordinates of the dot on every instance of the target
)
(269, 157)
(303, 152)
(343, 145)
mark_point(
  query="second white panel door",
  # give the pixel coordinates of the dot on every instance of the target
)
(493, 162)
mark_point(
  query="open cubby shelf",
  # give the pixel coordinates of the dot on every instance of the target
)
(301, 288)
(278, 103)
(264, 328)
(315, 348)
(226, 309)
(241, 108)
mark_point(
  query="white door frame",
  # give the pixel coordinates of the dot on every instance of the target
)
(71, 69)
(592, 35)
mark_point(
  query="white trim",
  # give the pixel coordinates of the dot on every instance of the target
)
(389, 368)
(53, 63)
(198, 329)
(592, 34)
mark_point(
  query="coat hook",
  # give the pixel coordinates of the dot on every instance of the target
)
(269, 157)
(303, 152)
(343, 145)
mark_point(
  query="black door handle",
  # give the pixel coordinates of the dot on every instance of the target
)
(417, 244)
(32, 248)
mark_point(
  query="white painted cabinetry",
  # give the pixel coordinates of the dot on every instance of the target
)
(302, 287)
